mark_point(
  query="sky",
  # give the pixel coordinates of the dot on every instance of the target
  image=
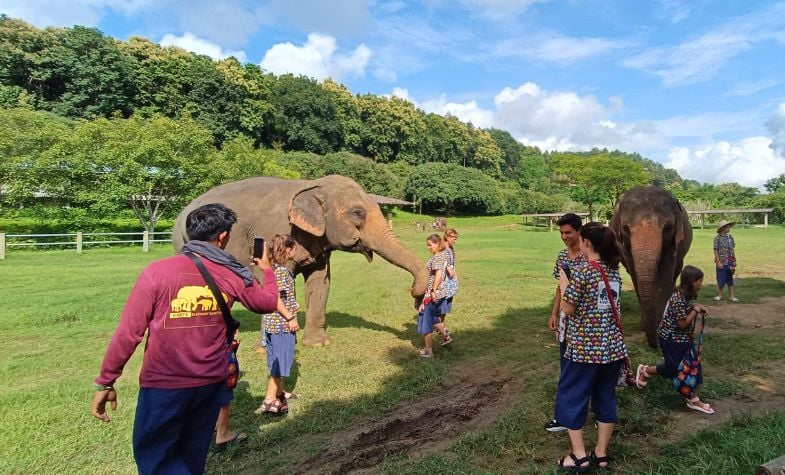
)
(696, 85)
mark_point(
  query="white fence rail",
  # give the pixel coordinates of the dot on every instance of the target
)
(77, 240)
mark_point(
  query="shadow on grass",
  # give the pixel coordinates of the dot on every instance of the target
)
(747, 289)
(519, 343)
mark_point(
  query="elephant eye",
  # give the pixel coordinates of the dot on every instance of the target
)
(357, 215)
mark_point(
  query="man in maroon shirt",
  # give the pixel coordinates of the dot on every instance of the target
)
(185, 367)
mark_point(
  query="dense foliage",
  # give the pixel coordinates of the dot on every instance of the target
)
(92, 127)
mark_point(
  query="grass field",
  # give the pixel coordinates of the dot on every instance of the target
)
(59, 310)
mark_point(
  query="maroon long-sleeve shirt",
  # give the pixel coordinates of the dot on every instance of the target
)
(186, 343)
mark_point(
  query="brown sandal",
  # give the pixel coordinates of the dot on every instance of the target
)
(274, 406)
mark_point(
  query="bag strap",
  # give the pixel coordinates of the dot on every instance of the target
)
(208, 278)
(700, 336)
(596, 266)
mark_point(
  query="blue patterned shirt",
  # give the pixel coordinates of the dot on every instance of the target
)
(564, 259)
(677, 309)
(725, 245)
(274, 322)
(592, 333)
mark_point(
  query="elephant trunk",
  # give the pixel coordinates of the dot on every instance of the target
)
(379, 237)
(646, 245)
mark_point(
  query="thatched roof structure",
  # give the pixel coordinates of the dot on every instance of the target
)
(386, 200)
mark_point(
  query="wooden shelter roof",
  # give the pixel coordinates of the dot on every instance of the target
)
(386, 200)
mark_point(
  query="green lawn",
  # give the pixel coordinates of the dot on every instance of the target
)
(59, 310)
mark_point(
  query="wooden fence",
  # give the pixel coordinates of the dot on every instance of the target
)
(78, 241)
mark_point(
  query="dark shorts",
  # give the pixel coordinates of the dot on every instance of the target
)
(446, 306)
(673, 352)
(581, 382)
(724, 277)
(428, 317)
(280, 353)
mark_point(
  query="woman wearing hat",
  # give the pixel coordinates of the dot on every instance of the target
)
(725, 259)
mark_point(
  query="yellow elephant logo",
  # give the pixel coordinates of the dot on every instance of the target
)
(192, 299)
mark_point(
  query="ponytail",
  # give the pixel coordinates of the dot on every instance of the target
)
(603, 240)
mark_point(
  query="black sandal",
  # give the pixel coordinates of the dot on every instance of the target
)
(578, 467)
(607, 459)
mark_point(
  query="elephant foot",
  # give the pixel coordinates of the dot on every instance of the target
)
(316, 338)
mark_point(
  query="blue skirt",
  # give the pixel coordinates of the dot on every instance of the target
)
(428, 317)
(446, 306)
(280, 353)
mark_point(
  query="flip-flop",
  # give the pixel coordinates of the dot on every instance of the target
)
(700, 406)
(292, 396)
(640, 377)
(238, 438)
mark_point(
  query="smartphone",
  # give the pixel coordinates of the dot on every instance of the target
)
(258, 247)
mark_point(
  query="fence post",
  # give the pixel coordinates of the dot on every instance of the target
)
(145, 241)
(2, 246)
(79, 241)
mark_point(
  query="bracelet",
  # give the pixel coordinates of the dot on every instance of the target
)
(288, 319)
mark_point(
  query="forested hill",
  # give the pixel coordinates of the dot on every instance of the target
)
(244, 121)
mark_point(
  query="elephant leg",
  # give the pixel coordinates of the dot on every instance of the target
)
(317, 287)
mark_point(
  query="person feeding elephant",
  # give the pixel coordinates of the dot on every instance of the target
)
(595, 346)
(428, 316)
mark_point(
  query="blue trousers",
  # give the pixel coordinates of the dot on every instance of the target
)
(173, 428)
(580, 382)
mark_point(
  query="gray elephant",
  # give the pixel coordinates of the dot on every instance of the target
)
(654, 234)
(330, 213)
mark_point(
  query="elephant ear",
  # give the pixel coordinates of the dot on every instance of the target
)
(307, 209)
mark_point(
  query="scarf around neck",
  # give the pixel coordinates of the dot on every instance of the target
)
(219, 256)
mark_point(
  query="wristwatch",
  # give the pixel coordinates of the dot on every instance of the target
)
(103, 387)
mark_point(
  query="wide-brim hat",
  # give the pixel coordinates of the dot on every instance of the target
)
(724, 224)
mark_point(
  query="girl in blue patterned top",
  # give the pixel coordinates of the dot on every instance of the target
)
(595, 347)
(435, 293)
(676, 334)
(280, 327)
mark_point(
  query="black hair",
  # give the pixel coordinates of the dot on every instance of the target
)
(689, 275)
(603, 240)
(572, 219)
(206, 222)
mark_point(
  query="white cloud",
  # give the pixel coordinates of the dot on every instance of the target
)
(752, 87)
(402, 93)
(700, 59)
(776, 125)
(335, 17)
(556, 48)
(190, 42)
(750, 162)
(317, 58)
(499, 9)
(677, 10)
(467, 111)
(43, 13)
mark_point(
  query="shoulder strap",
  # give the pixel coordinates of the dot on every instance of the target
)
(208, 278)
(596, 266)
(700, 336)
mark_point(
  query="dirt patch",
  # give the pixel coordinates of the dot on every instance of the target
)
(743, 317)
(469, 400)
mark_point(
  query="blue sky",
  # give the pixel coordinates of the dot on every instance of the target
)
(696, 85)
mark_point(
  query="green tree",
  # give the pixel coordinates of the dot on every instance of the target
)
(151, 166)
(775, 184)
(26, 138)
(305, 116)
(447, 187)
(83, 74)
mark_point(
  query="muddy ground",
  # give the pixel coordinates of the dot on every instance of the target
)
(471, 399)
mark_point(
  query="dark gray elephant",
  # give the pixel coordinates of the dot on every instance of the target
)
(654, 234)
(330, 213)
